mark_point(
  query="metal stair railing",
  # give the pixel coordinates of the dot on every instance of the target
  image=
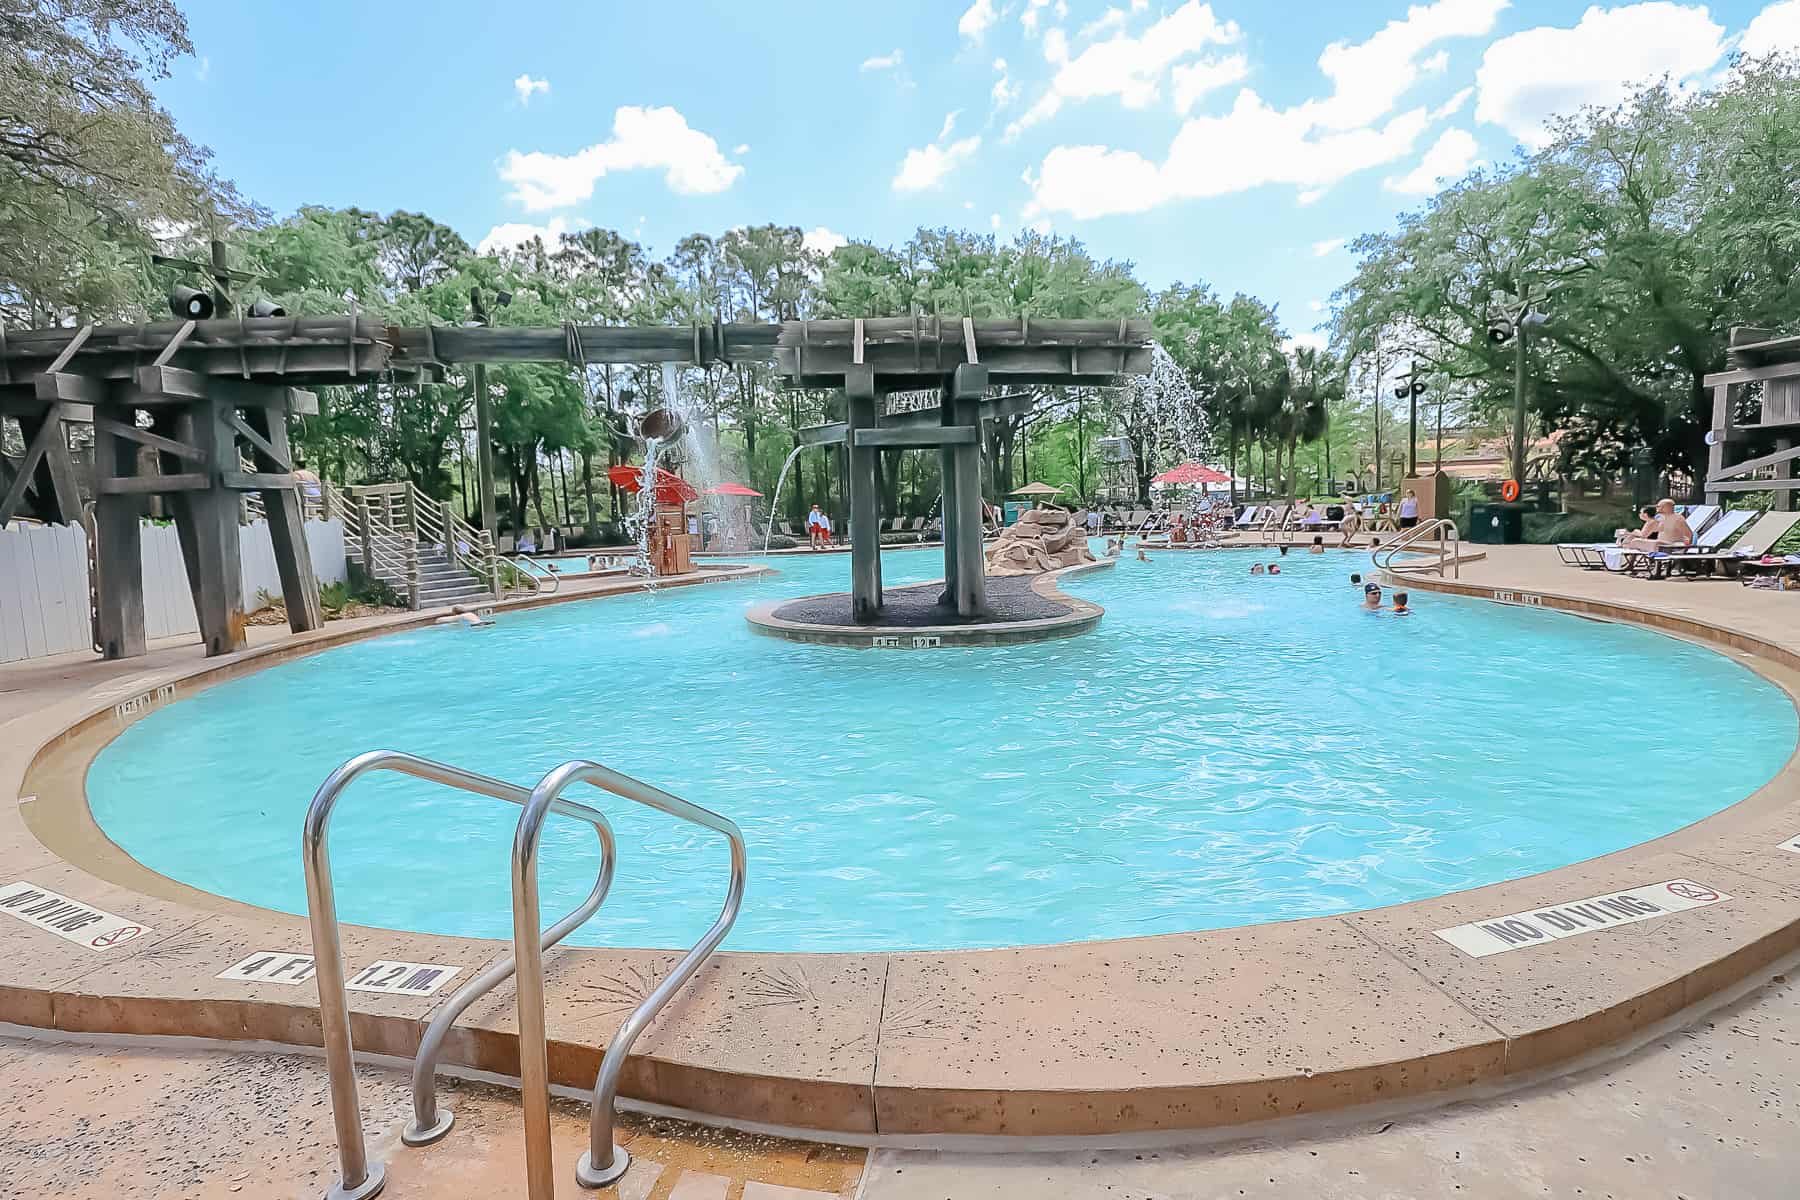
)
(1413, 541)
(358, 1179)
(604, 1161)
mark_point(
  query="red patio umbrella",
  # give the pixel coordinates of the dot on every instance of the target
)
(731, 489)
(670, 487)
(1191, 473)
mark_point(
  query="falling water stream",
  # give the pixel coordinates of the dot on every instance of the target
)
(775, 501)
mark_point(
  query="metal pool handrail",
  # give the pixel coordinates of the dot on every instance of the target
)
(604, 1162)
(1449, 549)
(428, 1125)
(358, 1179)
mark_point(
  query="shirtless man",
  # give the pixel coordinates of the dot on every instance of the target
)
(1672, 531)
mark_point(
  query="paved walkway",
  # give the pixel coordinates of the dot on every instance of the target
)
(1707, 1113)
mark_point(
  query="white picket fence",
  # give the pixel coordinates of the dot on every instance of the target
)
(44, 582)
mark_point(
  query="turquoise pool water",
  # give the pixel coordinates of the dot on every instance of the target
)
(1223, 750)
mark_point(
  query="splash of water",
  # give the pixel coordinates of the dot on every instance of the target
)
(1165, 407)
(775, 501)
(643, 513)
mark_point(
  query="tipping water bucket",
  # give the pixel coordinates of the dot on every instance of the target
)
(662, 424)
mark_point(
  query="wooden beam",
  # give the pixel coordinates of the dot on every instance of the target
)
(144, 437)
(137, 485)
(1752, 485)
(1754, 464)
(15, 403)
(917, 435)
(823, 435)
(35, 450)
(1786, 370)
(54, 386)
(258, 481)
(257, 440)
(172, 381)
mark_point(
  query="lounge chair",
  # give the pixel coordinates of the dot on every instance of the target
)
(1247, 518)
(1754, 542)
(1715, 538)
(1592, 555)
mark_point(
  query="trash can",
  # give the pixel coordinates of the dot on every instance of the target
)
(1496, 524)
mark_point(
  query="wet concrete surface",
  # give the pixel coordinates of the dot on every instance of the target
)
(1009, 598)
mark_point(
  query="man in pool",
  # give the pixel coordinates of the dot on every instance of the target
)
(1318, 545)
(1400, 609)
(1372, 597)
(1258, 569)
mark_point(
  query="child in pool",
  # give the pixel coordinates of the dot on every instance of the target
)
(1257, 569)
(1400, 609)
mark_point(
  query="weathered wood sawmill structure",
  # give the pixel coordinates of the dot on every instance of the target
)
(1756, 408)
(196, 412)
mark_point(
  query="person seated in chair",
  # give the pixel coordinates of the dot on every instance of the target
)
(1672, 531)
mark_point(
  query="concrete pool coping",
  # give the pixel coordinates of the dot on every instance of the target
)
(1173, 1032)
(1078, 617)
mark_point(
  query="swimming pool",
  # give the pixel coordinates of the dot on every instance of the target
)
(1222, 750)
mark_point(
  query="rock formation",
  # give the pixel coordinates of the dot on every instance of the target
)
(1043, 539)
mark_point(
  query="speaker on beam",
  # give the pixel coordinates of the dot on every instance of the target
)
(190, 303)
(267, 308)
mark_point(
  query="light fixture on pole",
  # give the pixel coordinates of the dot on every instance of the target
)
(1410, 387)
(1514, 325)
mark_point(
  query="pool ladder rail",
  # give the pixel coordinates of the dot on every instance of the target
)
(1447, 547)
(604, 1162)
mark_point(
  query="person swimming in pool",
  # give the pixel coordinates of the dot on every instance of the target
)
(1372, 597)
(1355, 579)
(1400, 609)
(1274, 568)
(1318, 546)
(1258, 569)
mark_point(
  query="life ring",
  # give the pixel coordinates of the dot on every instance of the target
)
(1509, 491)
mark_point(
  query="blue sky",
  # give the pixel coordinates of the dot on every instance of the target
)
(1237, 143)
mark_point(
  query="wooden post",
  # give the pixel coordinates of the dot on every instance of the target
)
(368, 536)
(285, 511)
(1785, 497)
(119, 555)
(949, 505)
(208, 523)
(1721, 436)
(963, 398)
(861, 406)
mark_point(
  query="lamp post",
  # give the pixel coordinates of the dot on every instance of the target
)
(1514, 324)
(1410, 387)
(484, 446)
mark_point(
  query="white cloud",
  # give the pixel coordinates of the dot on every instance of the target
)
(1194, 80)
(657, 139)
(977, 20)
(1453, 105)
(1328, 246)
(1311, 341)
(1004, 91)
(1110, 21)
(516, 233)
(1251, 146)
(1311, 145)
(994, 222)
(742, 148)
(1526, 78)
(1448, 160)
(527, 87)
(1131, 68)
(203, 69)
(884, 62)
(1368, 78)
(1034, 10)
(926, 166)
(949, 125)
(1316, 305)
(823, 241)
(1776, 30)
(1310, 197)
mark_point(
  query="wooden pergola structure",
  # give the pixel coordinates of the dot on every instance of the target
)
(178, 407)
(1770, 366)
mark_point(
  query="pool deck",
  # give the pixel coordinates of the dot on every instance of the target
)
(1179, 1032)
